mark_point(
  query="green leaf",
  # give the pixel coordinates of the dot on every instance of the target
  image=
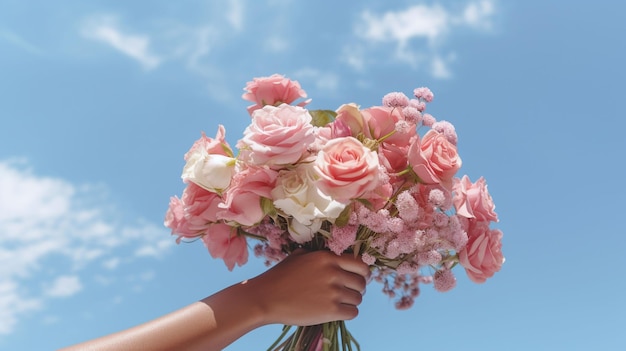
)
(344, 217)
(322, 117)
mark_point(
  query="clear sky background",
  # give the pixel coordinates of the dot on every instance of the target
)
(99, 100)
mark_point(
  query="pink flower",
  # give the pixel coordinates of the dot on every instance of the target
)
(447, 129)
(200, 206)
(190, 216)
(277, 136)
(473, 200)
(350, 116)
(175, 219)
(434, 159)
(346, 169)
(393, 157)
(209, 162)
(482, 256)
(296, 195)
(223, 242)
(341, 238)
(423, 93)
(217, 146)
(395, 99)
(273, 90)
(381, 124)
(242, 200)
(444, 280)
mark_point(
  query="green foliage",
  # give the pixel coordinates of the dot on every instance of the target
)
(322, 117)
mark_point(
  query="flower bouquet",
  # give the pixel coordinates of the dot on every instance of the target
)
(379, 182)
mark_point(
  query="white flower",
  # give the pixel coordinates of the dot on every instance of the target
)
(297, 196)
(212, 172)
(301, 233)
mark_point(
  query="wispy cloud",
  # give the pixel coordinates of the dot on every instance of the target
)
(64, 286)
(16, 40)
(135, 46)
(325, 81)
(43, 218)
(235, 15)
(419, 33)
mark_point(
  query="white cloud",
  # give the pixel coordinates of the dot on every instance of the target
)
(43, 218)
(419, 33)
(20, 42)
(276, 44)
(323, 81)
(478, 14)
(440, 67)
(401, 26)
(105, 29)
(13, 304)
(235, 15)
(64, 286)
(112, 263)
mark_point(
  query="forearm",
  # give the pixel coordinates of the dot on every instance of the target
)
(210, 324)
(288, 293)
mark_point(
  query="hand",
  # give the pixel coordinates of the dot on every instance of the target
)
(309, 288)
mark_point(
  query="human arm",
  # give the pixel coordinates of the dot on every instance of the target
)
(304, 289)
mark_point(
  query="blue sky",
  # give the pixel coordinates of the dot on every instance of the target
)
(99, 100)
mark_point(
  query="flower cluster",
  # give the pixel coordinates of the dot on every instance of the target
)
(380, 182)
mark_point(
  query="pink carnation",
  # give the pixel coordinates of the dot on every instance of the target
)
(175, 219)
(223, 242)
(190, 216)
(273, 90)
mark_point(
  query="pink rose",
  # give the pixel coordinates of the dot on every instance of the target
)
(201, 204)
(346, 169)
(473, 200)
(210, 163)
(273, 90)
(242, 200)
(434, 159)
(482, 256)
(350, 116)
(223, 242)
(190, 216)
(381, 123)
(277, 136)
(393, 157)
(217, 146)
(175, 219)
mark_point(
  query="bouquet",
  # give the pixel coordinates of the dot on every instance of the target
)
(380, 182)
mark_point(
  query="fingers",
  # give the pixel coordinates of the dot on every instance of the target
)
(353, 281)
(347, 312)
(354, 264)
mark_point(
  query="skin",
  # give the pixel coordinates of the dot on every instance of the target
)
(306, 288)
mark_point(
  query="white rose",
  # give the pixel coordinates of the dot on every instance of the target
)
(211, 172)
(301, 233)
(297, 196)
